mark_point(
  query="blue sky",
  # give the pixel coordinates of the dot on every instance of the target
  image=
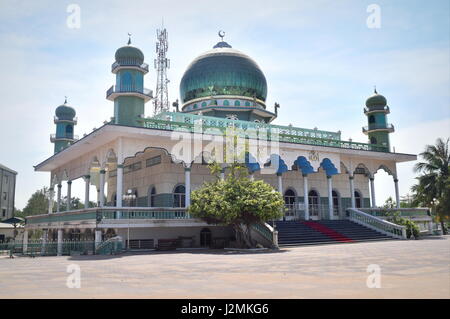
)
(320, 59)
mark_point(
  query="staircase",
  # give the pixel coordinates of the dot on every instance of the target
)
(295, 233)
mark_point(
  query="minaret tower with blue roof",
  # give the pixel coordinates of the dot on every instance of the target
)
(65, 121)
(129, 94)
(378, 129)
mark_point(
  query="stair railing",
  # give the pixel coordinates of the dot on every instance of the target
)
(111, 246)
(375, 223)
(267, 231)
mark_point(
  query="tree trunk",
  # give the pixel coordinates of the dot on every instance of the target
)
(444, 230)
(243, 237)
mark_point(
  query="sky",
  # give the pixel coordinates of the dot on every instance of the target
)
(320, 58)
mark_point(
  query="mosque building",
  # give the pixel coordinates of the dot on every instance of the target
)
(144, 168)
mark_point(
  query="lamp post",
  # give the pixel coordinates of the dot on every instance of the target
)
(129, 197)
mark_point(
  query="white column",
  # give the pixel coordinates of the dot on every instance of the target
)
(280, 183)
(352, 191)
(69, 194)
(98, 237)
(187, 186)
(44, 241)
(330, 197)
(50, 200)
(305, 196)
(119, 188)
(372, 192)
(397, 194)
(60, 242)
(252, 177)
(25, 241)
(87, 180)
(101, 199)
(58, 199)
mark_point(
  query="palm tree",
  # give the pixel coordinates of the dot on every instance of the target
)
(434, 183)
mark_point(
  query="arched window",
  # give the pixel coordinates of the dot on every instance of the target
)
(69, 131)
(152, 197)
(247, 103)
(203, 104)
(179, 196)
(126, 82)
(313, 201)
(371, 119)
(373, 140)
(226, 103)
(114, 200)
(205, 237)
(237, 103)
(336, 206)
(195, 105)
(358, 201)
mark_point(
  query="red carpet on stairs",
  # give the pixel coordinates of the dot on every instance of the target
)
(327, 231)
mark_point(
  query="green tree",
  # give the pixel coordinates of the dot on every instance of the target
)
(236, 201)
(38, 203)
(433, 188)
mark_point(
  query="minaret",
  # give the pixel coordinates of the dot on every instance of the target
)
(129, 94)
(378, 129)
(65, 121)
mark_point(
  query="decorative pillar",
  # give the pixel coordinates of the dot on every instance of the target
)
(305, 196)
(397, 195)
(60, 242)
(50, 200)
(330, 197)
(280, 183)
(352, 191)
(87, 180)
(25, 241)
(101, 199)
(252, 177)
(58, 199)
(372, 192)
(69, 194)
(187, 186)
(98, 237)
(119, 188)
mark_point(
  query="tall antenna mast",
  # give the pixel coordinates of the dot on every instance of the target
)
(162, 63)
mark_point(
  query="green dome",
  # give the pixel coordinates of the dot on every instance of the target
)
(129, 55)
(64, 112)
(223, 71)
(376, 100)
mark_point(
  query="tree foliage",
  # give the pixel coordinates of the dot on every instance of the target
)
(433, 188)
(236, 201)
(37, 204)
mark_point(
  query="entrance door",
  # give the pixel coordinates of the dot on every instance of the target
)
(336, 205)
(289, 203)
(314, 208)
(205, 237)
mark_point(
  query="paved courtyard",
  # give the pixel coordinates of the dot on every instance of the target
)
(409, 269)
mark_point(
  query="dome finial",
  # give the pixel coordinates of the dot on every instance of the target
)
(221, 34)
(129, 38)
(65, 100)
(375, 89)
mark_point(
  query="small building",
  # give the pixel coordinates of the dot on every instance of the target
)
(7, 192)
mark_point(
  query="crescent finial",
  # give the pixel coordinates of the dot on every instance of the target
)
(221, 34)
